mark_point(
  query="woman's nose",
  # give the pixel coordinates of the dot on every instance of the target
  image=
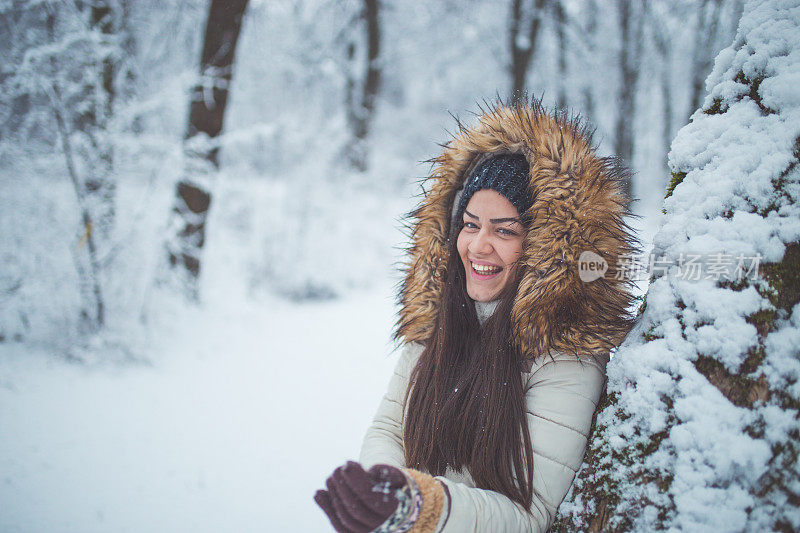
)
(480, 244)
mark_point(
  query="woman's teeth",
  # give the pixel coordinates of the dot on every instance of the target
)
(486, 269)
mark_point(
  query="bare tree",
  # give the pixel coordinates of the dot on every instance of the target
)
(100, 184)
(631, 17)
(87, 263)
(559, 19)
(591, 45)
(65, 59)
(662, 39)
(707, 21)
(523, 33)
(206, 115)
(712, 25)
(363, 82)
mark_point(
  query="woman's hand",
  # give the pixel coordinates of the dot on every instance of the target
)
(359, 501)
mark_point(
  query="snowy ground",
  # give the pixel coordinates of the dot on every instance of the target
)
(246, 410)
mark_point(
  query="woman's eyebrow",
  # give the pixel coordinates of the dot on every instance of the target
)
(494, 220)
(501, 220)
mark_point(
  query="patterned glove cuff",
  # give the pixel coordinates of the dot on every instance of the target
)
(433, 501)
(420, 505)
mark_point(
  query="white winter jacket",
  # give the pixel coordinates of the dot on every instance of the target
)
(561, 393)
(578, 206)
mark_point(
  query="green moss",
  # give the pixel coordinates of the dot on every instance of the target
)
(642, 307)
(737, 285)
(780, 284)
(716, 107)
(763, 320)
(778, 479)
(622, 415)
(755, 356)
(781, 195)
(754, 84)
(675, 179)
(650, 447)
(608, 399)
(784, 278)
(757, 429)
(787, 402)
(649, 337)
(740, 389)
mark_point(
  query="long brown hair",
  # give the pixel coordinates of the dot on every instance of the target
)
(466, 406)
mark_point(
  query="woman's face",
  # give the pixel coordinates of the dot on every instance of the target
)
(490, 243)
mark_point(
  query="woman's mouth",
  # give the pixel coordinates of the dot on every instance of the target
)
(483, 272)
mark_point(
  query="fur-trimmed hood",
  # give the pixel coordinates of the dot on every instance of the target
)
(578, 206)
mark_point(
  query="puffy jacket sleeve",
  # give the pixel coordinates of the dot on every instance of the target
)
(561, 398)
(383, 442)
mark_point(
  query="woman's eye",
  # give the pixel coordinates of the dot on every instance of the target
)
(470, 225)
(507, 232)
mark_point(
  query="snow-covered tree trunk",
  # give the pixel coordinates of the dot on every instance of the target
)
(588, 81)
(700, 429)
(61, 75)
(363, 83)
(206, 116)
(660, 29)
(631, 17)
(86, 254)
(559, 21)
(100, 184)
(523, 34)
(707, 21)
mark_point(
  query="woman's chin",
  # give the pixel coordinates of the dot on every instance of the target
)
(481, 294)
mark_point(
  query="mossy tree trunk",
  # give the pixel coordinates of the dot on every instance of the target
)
(700, 429)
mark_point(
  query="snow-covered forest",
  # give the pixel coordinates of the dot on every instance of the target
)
(201, 209)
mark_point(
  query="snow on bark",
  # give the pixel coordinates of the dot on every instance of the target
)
(187, 230)
(699, 430)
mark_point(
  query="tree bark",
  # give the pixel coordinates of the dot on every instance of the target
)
(664, 49)
(88, 265)
(560, 23)
(631, 28)
(86, 113)
(522, 41)
(708, 12)
(206, 116)
(100, 184)
(361, 104)
(589, 79)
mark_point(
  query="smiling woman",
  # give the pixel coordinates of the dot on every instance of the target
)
(489, 244)
(487, 415)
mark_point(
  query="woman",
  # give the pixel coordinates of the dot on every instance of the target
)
(487, 416)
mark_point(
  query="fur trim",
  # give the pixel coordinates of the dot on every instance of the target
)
(578, 205)
(433, 498)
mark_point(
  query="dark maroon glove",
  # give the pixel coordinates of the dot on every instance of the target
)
(357, 501)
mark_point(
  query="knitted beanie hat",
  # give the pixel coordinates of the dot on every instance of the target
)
(504, 173)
